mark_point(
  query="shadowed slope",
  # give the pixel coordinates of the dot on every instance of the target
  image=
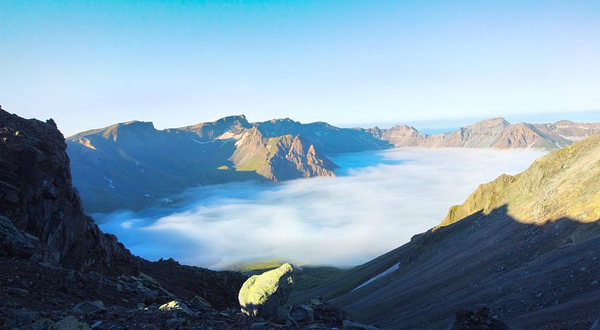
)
(535, 272)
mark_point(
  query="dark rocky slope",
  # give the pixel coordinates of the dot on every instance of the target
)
(526, 246)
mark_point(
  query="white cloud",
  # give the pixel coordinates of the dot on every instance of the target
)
(341, 221)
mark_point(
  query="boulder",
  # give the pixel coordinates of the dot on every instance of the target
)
(200, 304)
(69, 323)
(262, 295)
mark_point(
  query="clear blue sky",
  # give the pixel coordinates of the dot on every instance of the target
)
(93, 63)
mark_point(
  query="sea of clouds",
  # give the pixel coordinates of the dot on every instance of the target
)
(378, 201)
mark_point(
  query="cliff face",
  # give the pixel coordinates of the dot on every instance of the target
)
(38, 198)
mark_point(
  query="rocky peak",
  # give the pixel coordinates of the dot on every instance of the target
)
(489, 124)
(38, 199)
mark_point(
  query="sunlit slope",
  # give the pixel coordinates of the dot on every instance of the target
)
(564, 183)
(527, 246)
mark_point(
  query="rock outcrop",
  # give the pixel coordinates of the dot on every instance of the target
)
(38, 197)
(262, 295)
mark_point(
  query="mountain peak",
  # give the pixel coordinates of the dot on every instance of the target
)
(492, 122)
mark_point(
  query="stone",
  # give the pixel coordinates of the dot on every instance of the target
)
(347, 324)
(176, 306)
(199, 303)
(478, 319)
(16, 291)
(262, 295)
(89, 307)
(69, 323)
(148, 281)
(301, 313)
(41, 324)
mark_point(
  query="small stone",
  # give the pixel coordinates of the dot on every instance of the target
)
(176, 306)
(41, 324)
(16, 291)
(89, 307)
(69, 323)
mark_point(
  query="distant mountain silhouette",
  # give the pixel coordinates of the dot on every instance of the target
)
(493, 133)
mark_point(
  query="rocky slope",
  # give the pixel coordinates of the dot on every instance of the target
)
(493, 133)
(526, 246)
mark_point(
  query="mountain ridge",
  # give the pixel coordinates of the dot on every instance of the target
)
(493, 133)
(134, 165)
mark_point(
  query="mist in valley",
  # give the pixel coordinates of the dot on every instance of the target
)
(378, 201)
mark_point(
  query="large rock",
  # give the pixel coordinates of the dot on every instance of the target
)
(261, 295)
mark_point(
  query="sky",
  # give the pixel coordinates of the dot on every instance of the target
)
(342, 221)
(89, 64)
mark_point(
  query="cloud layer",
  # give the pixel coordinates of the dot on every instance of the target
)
(377, 204)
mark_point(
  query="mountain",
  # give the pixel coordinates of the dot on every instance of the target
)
(524, 245)
(131, 165)
(492, 133)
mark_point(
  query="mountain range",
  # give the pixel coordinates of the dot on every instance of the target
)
(133, 165)
(493, 133)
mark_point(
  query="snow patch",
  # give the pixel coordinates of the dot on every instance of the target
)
(385, 273)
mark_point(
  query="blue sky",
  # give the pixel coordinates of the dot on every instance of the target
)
(93, 63)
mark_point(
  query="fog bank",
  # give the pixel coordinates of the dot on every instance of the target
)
(377, 203)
